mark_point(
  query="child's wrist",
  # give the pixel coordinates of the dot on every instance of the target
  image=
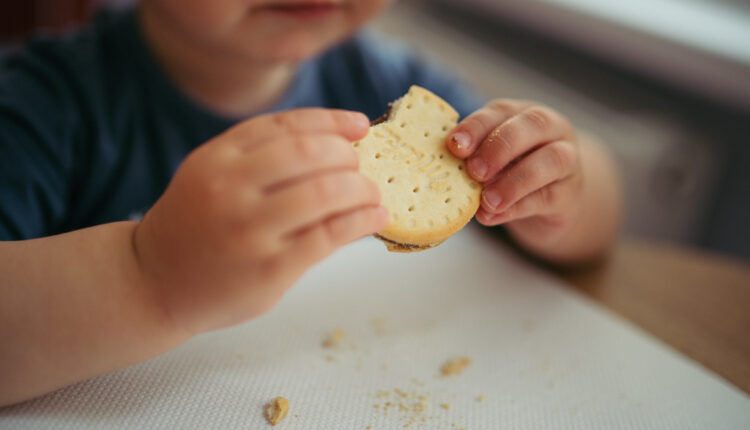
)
(154, 288)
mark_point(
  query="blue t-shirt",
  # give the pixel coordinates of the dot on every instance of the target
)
(92, 130)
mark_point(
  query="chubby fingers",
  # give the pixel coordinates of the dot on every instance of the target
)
(469, 133)
(297, 206)
(347, 124)
(527, 130)
(286, 159)
(546, 201)
(314, 243)
(508, 130)
(546, 182)
(549, 164)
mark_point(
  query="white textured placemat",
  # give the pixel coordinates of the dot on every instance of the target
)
(542, 357)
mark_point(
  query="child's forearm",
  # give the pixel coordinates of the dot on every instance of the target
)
(595, 228)
(74, 306)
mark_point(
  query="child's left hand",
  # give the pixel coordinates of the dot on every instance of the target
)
(527, 157)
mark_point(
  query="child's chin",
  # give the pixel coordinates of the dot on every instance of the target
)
(293, 53)
(301, 45)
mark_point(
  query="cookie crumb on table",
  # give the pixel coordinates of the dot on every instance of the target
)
(409, 407)
(378, 326)
(276, 410)
(455, 366)
(334, 339)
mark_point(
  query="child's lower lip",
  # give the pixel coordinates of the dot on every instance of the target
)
(304, 10)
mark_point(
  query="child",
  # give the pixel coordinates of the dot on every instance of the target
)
(93, 128)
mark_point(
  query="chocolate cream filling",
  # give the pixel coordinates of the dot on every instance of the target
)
(402, 246)
(383, 118)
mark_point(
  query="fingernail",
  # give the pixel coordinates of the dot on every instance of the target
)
(478, 167)
(461, 140)
(492, 198)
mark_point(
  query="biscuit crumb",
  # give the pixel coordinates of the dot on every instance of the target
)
(334, 339)
(421, 406)
(410, 407)
(378, 326)
(445, 406)
(276, 410)
(480, 398)
(455, 366)
(369, 427)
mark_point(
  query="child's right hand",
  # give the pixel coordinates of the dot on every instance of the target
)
(248, 212)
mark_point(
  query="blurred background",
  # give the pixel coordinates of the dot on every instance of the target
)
(664, 83)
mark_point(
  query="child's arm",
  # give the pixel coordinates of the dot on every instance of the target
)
(558, 195)
(245, 215)
(73, 306)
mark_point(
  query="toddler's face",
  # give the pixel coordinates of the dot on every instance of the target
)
(266, 30)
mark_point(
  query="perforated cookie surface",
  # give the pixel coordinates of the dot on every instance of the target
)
(426, 190)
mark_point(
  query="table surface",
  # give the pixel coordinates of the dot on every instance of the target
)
(543, 354)
(697, 302)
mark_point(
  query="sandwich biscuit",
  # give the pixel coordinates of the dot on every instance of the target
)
(426, 190)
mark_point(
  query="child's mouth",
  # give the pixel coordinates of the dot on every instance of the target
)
(304, 10)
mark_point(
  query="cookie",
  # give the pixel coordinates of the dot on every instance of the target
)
(428, 194)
